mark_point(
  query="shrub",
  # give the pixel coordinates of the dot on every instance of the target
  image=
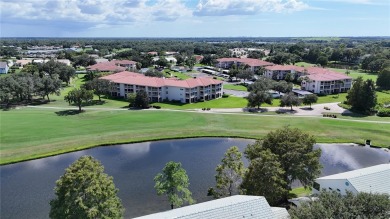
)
(384, 112)
(225, 95)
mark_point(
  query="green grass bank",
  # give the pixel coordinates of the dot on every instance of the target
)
(29, 133)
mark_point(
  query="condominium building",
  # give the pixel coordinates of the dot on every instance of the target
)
(254, 64)
(160, 89)
(314, 79)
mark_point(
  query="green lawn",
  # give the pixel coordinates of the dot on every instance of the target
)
(301, 191)
(352, 73)
(229, 102)
(235, 87)
(60, 132)
(355, 74)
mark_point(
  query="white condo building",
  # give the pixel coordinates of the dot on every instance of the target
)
(160, 89)
(314, 79)
(374, 179)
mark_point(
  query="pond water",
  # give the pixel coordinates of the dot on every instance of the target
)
(27, 187)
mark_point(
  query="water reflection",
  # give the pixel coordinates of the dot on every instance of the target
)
(27, 187)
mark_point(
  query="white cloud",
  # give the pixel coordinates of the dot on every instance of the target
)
(90, 13)
(363, 2)
(247, 7)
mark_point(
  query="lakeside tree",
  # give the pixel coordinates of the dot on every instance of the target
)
(79, 96)
(141, 100)
(290, 100)
(85, 191)
(333, 205)
(293, 149)
(99, 87)
(265, 177)
(310, 99)
(362, 95)
(174, 182)
(229, 174)
(383, 80)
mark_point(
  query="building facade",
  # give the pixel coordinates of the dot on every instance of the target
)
(374, 179)
(314, 79)
(161, 89)
(254, 64)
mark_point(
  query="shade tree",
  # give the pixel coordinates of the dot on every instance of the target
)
(85, 191)
(173, 182)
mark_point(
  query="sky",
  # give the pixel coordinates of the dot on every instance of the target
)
(194, 18)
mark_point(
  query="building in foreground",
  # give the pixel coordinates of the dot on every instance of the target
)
(233, 207)
(314, 79)
(161, 89)
(254, 64)
(375, 179)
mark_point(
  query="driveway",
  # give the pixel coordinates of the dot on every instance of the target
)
(236, 93)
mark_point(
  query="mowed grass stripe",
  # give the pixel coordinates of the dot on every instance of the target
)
(32, 133)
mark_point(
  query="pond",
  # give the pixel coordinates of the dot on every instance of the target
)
(27, 187)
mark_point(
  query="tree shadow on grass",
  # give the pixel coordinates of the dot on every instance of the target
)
(256, 110)
(354, 115)
(68, 112)
(285, 111)
(306, 108)
(94, 103)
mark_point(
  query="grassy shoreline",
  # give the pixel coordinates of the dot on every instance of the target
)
(22, 140)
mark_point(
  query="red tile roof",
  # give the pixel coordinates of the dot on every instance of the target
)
(254, 62)
(284, 68)
(124, 62)
(105, 66)
(127, 77)
(248, 61)
(323, 74)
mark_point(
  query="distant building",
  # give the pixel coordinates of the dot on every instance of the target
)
(4, 68)
(160, 89)
(113, 66)
(64, 61)
(375, 179)
(254, 64)
(314, 79)
(233, 207)
(23, 62)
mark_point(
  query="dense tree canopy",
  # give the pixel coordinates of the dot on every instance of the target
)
(85, 191)
(383, 80)
(173, 182)
(79, 96)
(154, 73)
(229, 173)
(99, 87)
(310, 99)
(293, 149)
(265, 177)
(141, 100)
(290, 100)
(362, 95)
(334, 205)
